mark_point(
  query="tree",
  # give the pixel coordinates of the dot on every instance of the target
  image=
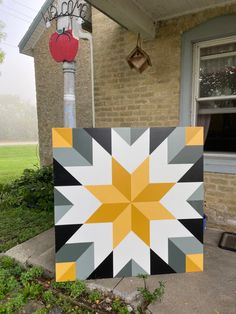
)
(2, 35)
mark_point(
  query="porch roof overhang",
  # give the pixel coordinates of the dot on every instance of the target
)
(141, 16)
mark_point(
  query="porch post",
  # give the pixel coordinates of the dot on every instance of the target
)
(69, 79)
(69, 95)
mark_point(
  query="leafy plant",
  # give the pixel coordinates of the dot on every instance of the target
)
(34, 189)
(32, 290)
(41, 311)
(73, 289)
(95, 296)
(119, 306)
(31, 274)
(76, 288)
(48, 296)
(148, 297)
(7, 283)
(10, 264)
(13, 305)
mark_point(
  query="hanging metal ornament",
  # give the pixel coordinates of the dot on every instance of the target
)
(138, 59)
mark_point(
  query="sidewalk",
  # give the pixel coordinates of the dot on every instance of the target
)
(213, 291)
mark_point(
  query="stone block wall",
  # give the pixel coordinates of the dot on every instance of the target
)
(124, 97)
(49, 92)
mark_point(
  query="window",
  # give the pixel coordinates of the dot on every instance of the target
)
(214, 94)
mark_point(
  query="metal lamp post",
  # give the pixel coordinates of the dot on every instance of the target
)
(69, 80)
(64, 12)
(69, 95)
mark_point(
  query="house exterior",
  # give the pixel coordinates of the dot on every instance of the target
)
(191, 82)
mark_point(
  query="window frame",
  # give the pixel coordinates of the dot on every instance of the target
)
(217, 29)
(195, 89)
(196, 73)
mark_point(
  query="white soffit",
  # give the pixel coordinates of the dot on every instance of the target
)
(162, 10)
(140, 16)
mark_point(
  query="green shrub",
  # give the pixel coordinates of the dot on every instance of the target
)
(34, 189)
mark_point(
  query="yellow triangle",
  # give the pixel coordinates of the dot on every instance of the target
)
(154, 211)
(194, 136)
(62, 137)
(194, 262)
(65, 272)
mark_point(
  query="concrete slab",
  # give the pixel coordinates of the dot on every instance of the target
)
(213, 291)
(104, 284)
(36, 251)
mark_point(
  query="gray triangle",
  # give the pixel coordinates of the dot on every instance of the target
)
(85, 263)
(137, 270)
(124, 133)
(60, 211)
(136, 133)
(197, 205)
(83, 144)
(60, 199)
(196, 199)
(69, 157)
(198, 194)
(70, 252)
(126, 271)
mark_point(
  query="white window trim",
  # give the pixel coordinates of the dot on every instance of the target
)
(219, 157)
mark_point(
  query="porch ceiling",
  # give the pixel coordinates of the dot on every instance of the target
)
(140, 16)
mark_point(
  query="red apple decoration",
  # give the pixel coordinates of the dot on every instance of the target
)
(63, 46)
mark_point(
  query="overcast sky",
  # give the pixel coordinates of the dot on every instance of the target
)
(17, 71)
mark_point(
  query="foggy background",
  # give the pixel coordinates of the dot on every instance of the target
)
(18, 119)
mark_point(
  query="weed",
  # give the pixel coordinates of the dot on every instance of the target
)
(60, 285)
(31, 290)
(13, 305)
(118, 306)
(148, 297)
(48, 297)
(10, 264)
(41, 311)
(76, 289)
(31, 274)
(95, 296)
(7, 262)
(7, 283)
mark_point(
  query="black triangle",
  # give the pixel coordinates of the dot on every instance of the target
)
(104, 270)
(195, 173)
(158, 266)
(63, 233)
(62, 177)
(195, 226)
(102, 136)
(157, 136)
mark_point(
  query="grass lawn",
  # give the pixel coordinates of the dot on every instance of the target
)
(20, 224)
(14, 159)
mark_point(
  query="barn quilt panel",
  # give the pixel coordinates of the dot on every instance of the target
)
(128, 201)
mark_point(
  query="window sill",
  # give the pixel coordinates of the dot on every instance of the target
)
(221, 163)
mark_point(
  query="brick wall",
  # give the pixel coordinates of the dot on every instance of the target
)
(127, 98)
(49, 89)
